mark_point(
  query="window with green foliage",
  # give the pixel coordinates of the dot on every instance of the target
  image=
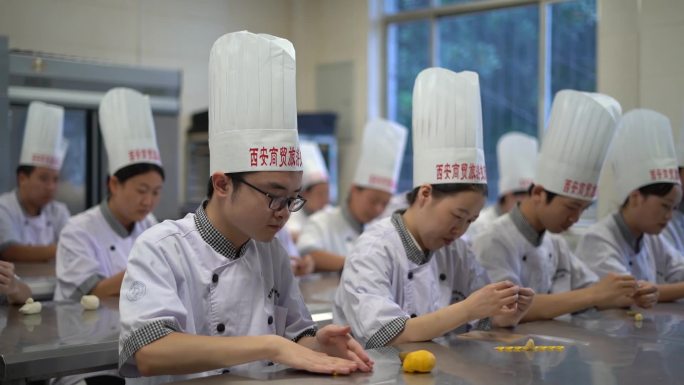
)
(523, 54)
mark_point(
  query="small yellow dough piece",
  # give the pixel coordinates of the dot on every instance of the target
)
(638, 317)
(500, 348)
(530, 344)
(509, 348)
(90, 302)
(420, 361)
(31, 307)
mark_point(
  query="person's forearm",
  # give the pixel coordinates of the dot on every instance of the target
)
(179, 353)
(109, 287)
(325, 261)
(20, 293)
(432, 325)
(23, 253)
(669, 292)
(549, 306)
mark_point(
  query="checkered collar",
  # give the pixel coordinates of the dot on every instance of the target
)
(213, 237)
(413, 251)
(525, 228)
(118, 228)
(634, 242)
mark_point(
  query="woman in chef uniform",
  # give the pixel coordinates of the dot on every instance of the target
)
(213, 292)
(30, 218)
(409, 277)
(93, 249)
(674, 232)
(641, 182)
(329, 234)
(524, 246)
(517, 156)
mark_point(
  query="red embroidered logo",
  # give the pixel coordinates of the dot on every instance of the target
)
(664, 173)
(275, 157)
(50, 160)
(579, 188)
(142, 154)
(463, 171)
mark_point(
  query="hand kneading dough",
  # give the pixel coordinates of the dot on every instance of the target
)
(30, 307)
(90, 302)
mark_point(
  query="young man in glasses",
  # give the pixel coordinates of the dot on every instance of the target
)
(213, 292)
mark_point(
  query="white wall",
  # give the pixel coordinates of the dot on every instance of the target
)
(331, 31)
(641, 55)
(175, 34)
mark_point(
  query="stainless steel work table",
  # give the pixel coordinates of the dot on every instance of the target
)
(63, 339)
(605, 348)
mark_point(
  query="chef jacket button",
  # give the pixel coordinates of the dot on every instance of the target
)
(112, 248)
(550, 255)
(442, 277)
(270, 319)
(410, 275)
(220, 328)
(413, 315)
(631, 263)
(524, 258)
(214, 278)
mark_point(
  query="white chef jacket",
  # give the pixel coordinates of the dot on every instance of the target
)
(609, 247)
(387, 278)
(332, 230)
(674, 232)
(286, 241)
(486, 217)
(185, 276)
(16, 227)
(510, 249)
(93, 246)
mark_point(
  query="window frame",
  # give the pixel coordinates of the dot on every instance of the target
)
(434, 12)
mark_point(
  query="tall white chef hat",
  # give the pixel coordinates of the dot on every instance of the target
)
(252, 104)
(447, 128)
(43, 143)
(128, 129)
(315, 171)
(382, 152)
(517, 155)
(642, 153)
(580, 129)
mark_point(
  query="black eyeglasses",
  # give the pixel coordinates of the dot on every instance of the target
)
(279, 203)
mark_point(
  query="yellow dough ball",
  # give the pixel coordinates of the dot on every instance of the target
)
(420, 361)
